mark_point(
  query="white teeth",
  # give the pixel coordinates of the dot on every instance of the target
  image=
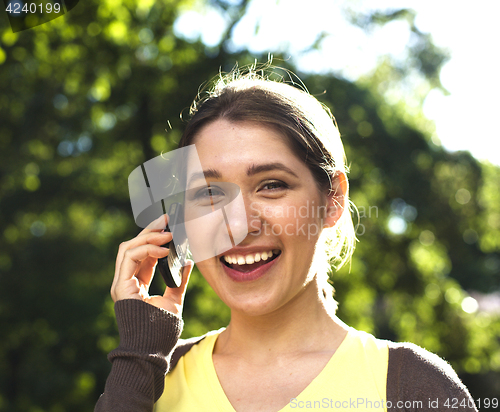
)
(267, 255)
(249, 259)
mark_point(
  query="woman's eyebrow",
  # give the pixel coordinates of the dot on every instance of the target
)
(266, 167)
(252, 170)
(206, 174)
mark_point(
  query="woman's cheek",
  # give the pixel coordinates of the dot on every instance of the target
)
(208, 236)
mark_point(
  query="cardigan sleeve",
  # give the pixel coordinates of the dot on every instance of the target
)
(418, 380)
(147, 337)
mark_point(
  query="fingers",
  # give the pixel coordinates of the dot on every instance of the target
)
(135, 264)
(181, 290)
(156, 225)
(133, 259)
(173, 298)
(153, 238)
(137, 258)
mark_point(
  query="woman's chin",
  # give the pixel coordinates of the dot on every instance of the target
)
(251, 290)
(251, 306)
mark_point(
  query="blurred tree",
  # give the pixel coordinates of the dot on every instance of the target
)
(85, 99)
(424, 56)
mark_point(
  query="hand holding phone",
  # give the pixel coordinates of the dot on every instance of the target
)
(135, 265)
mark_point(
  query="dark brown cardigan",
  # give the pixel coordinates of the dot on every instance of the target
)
(148, 336)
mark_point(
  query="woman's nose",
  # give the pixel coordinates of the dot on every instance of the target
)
(254, 217)
(243, 218)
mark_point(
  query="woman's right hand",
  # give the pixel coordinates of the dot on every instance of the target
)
(135, 265)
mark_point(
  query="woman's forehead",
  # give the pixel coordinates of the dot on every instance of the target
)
(246, 143)
(258, 137)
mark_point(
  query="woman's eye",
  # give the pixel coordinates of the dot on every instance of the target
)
(211, 194)
(274, 185)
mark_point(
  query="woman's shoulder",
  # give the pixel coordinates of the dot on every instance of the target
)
(408, 360)
(416, 378)
(406, 356)
(414, 374)
(184, 345)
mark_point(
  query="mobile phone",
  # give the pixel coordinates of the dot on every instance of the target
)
(170, 267)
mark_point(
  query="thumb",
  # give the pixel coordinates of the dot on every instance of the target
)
(177, 294)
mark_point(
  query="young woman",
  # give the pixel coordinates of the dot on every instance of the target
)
(284, 347)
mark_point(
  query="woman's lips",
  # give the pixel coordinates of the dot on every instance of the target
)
(249, 272)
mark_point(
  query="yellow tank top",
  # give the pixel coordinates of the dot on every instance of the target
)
(354, 378)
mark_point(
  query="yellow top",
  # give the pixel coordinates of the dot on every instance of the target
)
(354, 378)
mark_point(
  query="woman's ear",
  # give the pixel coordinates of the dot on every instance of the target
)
(336, 200)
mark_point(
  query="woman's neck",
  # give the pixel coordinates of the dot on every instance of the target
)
(307, 323)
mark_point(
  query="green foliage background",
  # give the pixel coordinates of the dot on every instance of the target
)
(85, 98)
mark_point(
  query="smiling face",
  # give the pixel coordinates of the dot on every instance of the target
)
(283, 212)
